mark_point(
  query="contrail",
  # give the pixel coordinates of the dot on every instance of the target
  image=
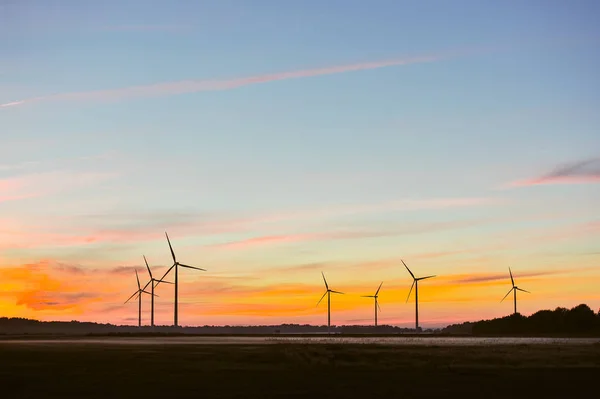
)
(192, 86)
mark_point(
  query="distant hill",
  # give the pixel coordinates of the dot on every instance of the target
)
(580, 320)
(20, 326)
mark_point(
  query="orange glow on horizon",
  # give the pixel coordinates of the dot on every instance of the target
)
(48, 290)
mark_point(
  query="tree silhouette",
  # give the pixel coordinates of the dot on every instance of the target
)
(579, 320)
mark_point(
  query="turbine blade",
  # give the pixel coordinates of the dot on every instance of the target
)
(321, 298)
(521, 289)
(337, 292)
(171, 248)
(511, 277)
(367, 296)
(163, 281)
(413, 276)
(377, 292)
(147, 267)
(147, 284)
(509, 291)
(146, 292)
(410, 292)
(423, 278)
(138, 279)
(378, 307)
(191, 267)
(131, 297)
(165, 275)
(326, 285)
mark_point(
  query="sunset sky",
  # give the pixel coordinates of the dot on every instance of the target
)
(274, 140)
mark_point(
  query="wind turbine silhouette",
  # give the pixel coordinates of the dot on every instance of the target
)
(376, 296)
(176, 267)
(416, 285)
(153, 283)
(514, 289)
(328, 292)
(139, 292)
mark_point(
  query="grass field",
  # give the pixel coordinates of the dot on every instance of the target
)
(297, 371)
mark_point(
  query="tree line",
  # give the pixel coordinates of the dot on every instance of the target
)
(579, 320)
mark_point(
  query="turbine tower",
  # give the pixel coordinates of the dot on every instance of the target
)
(514, 289)
(139, 292)
(176, 267)
(416, 285)
(376, 296)
(328, 292)
(153, 283)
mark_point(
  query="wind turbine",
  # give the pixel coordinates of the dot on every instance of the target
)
(176, 267)
(328, 292)
(376, 296)
(139, 292)
(153, 283)
(514, 289)
(416, 285)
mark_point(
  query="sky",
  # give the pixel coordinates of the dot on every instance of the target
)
(277, 140)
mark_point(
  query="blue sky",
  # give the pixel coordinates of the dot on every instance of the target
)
(104, 136)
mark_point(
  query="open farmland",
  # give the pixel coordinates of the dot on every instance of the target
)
(115, 368)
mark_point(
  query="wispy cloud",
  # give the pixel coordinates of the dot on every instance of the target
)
(193, 86)
(494, 277)
(59, 289)
(294, 238)
(40, 286)
(482, 278)
(146, 28)
(133, 227)
(46, 183)
(372, 265)
(18, 166)
(12, 104)
(586, 171)
(345, 235)
(391, 206)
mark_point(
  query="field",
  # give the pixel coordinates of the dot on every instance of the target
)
(296, 370)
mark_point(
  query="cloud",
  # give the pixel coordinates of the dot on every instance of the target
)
(146, 28)
(294, 238)
(194, 86)
(371, 265)
(58, 290)
(349, 235)
(484, 278)
(129, 228)
(257, 309)
(391, 206)
(40, 300)
(587, 171)
(19, 166)
(47, 183)
(12, 104)
(40, 286)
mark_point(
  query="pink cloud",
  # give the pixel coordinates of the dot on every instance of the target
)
(193, 86)
(12, 104)
(46, 183)
(146, 28)
(401, 205)
(557, 180)
(582, 172)
(492, 277)
(344, 235)
(292, 238)
(124, 229)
